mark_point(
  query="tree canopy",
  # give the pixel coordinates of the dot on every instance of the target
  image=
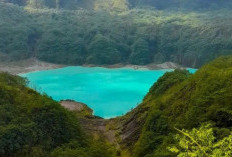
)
(53, 32)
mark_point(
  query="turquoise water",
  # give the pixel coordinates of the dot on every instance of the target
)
(109, 92)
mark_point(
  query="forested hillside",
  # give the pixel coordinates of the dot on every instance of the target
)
(121, 4)
(107, 32)
(33, 125)
(182, 113)
(180, 100)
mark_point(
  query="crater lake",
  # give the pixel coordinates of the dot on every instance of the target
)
(109, 92)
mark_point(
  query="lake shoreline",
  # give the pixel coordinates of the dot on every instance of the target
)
(152, 66)
(78, 82)
(26, 66)
(33, 65)
(96, 86)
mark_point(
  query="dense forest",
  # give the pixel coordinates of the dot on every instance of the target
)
(77, 32)
(184, 115)
(35, 125)
(120, 4)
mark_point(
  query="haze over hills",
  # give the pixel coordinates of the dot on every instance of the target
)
(108, 32)
(121, 4)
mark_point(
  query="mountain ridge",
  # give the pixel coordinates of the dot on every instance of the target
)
(138, 36)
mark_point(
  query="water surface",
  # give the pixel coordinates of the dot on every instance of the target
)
(109, 92)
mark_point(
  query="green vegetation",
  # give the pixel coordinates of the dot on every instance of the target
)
(202, 142)
(34, 125)
(108, 32)
(180, 100)
(120, 5)
(188, 32)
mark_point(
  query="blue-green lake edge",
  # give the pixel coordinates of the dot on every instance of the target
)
(109, 92)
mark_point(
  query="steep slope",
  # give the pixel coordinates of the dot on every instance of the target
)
(183, 101)
(34, 125)
(136, 36)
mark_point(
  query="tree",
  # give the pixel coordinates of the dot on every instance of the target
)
(202, 143)
(103, 51)
(140, 52)
(120, 5)
(38, 4)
